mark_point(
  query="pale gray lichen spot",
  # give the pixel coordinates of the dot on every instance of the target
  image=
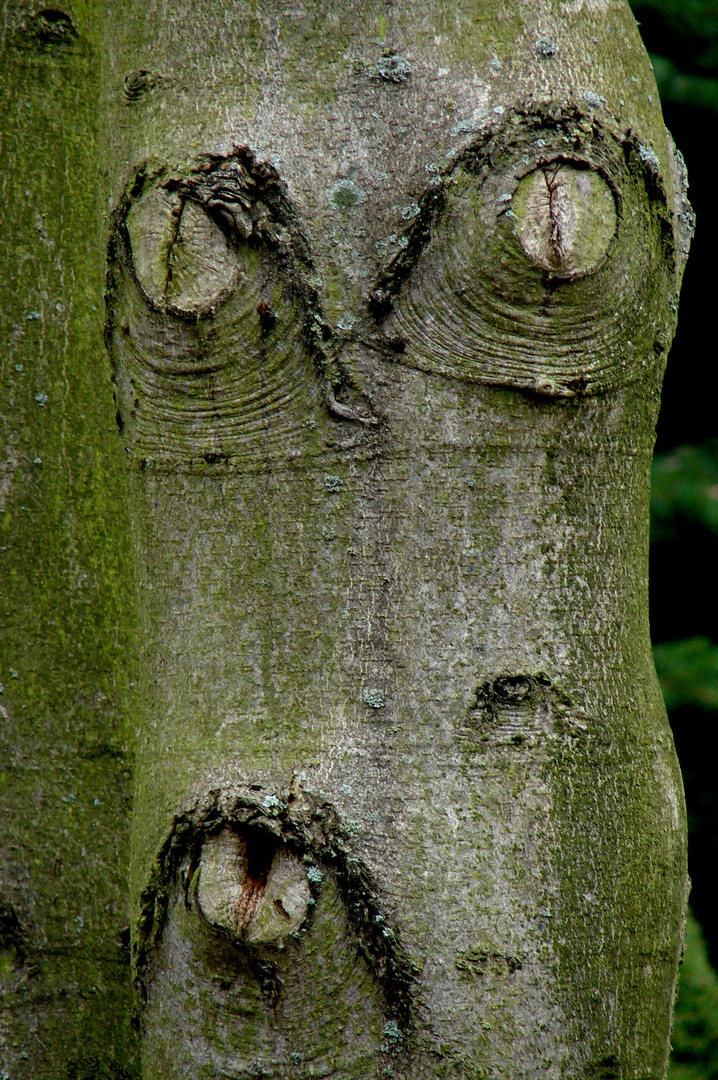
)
(393, 1031)
(374, 698)
(546, 48)
(391, 68)
(594, 101)
(333, 483)
(411, 211)
(345, 195)
(565, 218)
(649, 157)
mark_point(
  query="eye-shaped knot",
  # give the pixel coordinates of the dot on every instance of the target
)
(251, 887)
(181, 256)
(541, 265)
(565, 218)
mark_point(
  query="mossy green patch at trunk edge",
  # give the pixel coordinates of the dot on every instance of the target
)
(67, 664)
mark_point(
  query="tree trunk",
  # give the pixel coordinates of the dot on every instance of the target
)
(389, 294)
(66, 576)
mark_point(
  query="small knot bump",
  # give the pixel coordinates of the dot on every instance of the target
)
(51, 26)
(546, 387)
(136, 84)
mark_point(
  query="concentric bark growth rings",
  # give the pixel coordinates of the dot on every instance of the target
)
(565, 218)
(214, 316)
(529, 258)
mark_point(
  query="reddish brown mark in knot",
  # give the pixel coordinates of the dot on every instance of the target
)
(267, 317)
(253, 872)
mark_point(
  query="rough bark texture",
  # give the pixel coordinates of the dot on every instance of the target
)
(389, 293)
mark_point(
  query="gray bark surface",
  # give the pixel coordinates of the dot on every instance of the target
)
(389, 294)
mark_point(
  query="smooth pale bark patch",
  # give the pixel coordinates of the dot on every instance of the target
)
(181, 257)
(565, 218)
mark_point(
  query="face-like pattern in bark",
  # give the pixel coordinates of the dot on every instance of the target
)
(511, 275)
(338, 539)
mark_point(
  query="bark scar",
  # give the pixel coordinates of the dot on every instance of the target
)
(555, 217)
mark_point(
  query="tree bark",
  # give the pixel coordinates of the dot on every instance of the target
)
(66, 665)
(389, 294)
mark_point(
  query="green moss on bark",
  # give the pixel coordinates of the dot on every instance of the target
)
(67, 598)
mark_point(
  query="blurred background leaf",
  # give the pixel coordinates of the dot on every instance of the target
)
(681, 89)
(695, 1031)
(684, 490)
(688, 671)
(684, 30)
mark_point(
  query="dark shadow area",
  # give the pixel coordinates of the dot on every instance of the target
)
(689, 413)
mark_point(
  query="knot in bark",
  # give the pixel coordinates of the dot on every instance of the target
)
(251, 887)
(565, 218)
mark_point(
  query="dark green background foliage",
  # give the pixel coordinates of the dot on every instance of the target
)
(682, 37)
